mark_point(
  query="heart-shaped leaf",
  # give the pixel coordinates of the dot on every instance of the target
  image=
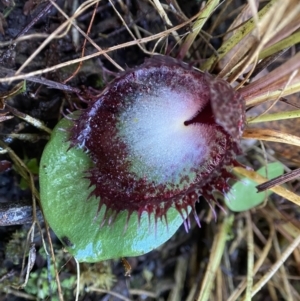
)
(73, 215)
(243, 195)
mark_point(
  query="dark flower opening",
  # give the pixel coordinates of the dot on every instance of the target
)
(160, 135)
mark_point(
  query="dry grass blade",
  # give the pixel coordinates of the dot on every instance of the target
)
(291, 40)
(202, 18)
(254, 176)
(180, 276)
(275, 116)
(274, 268)
(250, 256)
(232, 57)
(164, 33)
(240, 34)
(274, 80)
(215, 258)
(283, 272)
(72, 21)
(162, 12)
(272, 94)
(260, 261)
(35, 122)
(59, 289)
(24, 38)
(61, 30)
(265, 30)
(288, 227)
(271, 135)
(140, 45)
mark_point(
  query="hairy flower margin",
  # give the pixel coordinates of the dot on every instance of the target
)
(160, 135)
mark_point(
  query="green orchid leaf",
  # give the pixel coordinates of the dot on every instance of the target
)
(33, 167)
(73, 215)
(243, 195)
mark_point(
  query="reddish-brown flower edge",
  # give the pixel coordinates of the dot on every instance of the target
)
(160, 135)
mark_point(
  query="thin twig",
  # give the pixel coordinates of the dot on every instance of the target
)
(292, 175)
(4, 72)
(84, 44)
(110, 49)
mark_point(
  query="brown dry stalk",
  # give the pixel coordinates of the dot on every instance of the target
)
(271, 135)
(254, 176)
